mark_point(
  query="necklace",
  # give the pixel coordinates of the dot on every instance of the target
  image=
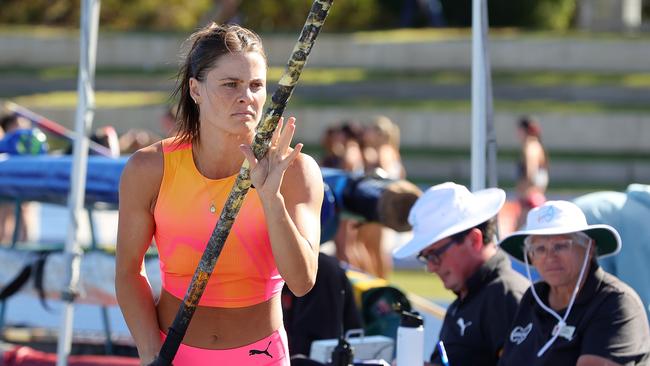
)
(222, 183)
(212, 207)
(206, 186)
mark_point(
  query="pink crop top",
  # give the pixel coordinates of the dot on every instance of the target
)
(245, 273)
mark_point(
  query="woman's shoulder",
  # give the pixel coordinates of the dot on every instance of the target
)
(145, 163)
(304, 167)
(304, 172)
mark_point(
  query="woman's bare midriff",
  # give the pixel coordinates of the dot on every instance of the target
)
(223, 328)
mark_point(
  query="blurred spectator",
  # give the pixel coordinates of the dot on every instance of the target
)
(135, 139)
(333, 143)
(628, 213)
(342, 147)
(12, 122)
(343, 150)
(107, 136)
(168, 121)
(532, 169)
(9, 125)
(381, 139)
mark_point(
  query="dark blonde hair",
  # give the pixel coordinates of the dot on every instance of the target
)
(206, 47)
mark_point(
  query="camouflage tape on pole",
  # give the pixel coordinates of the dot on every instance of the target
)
(263, 133)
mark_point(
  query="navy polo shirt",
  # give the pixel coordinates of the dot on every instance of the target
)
(476, 327)
(607, 320)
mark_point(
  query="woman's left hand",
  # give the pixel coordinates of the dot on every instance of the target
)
(267, 174)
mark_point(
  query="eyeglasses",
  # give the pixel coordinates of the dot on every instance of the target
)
(433, 256)
(539, 247)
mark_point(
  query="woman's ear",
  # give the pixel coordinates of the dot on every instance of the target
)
(194, 90)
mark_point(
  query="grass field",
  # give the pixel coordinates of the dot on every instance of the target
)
(421, 283)
(121, 99)
(328, 76)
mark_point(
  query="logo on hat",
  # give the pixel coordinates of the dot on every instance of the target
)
(519, 334)
(546, 214)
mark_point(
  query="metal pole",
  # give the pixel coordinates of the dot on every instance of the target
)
(492, 173)
(83, 123)
(478, 100)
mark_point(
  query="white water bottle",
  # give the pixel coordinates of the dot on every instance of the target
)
(410, 340)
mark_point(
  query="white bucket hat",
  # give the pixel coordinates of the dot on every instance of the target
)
(561, 217)
(447, 209)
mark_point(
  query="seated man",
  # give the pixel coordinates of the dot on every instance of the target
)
(453, 234)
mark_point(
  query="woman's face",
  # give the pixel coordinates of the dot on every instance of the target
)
(232, 95)
(557, 258)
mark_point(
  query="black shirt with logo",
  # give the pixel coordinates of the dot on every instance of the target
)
(607, 320)
(476, 327)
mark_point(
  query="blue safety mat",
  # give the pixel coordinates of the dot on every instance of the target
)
(46, 178)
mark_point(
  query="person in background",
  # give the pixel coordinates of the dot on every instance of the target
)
(628, 212)
(174, 191)
(532, 169)
(454, 236)
(15, 131)
(107, 136)
(342, 144)
(381, 139)
(168, 123)
(577, 314)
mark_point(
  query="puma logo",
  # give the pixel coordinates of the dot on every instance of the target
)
(461, 323)
(258, 352)
(519, 334)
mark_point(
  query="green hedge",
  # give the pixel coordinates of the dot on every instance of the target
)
(283, 15)
(115, 14)
(345, 15)
(538, 14)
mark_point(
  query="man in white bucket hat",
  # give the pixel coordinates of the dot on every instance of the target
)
(453, 234)
(577, 314)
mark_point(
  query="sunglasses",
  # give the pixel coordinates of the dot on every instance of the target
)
(433, 256)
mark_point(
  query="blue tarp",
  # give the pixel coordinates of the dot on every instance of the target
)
(46, 178)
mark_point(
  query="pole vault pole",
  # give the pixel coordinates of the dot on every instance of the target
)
(263, 133)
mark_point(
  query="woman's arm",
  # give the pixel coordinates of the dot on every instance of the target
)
(139, 186)
(532, 154)
(295, 228)
(291, 203)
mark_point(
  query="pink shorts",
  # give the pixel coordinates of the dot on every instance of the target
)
(270, 351)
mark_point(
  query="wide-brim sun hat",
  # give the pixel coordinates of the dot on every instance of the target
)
(447, 209)
(557, 218)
